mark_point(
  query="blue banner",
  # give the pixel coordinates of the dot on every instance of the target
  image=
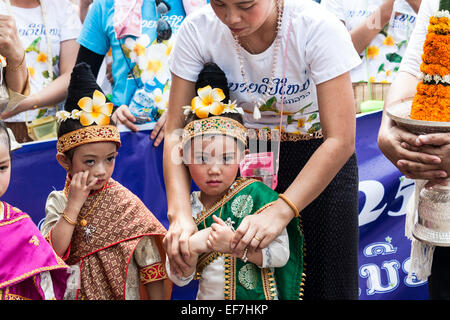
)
(384, 192)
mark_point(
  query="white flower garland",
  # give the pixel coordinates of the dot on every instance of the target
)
(435, 78)
(442, 14)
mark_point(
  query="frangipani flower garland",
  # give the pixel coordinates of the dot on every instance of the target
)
(2, 61)
(209, 101)
(94, 109)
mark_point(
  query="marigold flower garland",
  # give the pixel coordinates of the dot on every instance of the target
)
(432, 99)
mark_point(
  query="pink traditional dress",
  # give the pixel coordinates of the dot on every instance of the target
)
(29, 268)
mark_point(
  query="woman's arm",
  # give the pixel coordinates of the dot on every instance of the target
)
(415, 4)
(176, 177)
(16, 72)
(197, 246)
(338, 126)
(94, 60)
(363, 35)
(55, 91)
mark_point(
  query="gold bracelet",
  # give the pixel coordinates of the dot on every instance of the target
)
(70, 221)
(18, 67)
(290, 203)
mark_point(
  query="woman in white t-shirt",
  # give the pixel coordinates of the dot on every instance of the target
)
(380, 37)
(425, 158)
(49, 67)
(370, 26)
(273, 50)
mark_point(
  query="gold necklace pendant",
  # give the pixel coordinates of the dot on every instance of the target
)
(83, 222)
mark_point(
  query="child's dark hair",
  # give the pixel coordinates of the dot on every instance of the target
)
(4, 135)
(82, 84)
(212, 75)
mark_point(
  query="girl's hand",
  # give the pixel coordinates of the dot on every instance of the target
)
(79, 189)
(220, 236)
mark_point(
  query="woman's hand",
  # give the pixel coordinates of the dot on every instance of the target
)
(259, 230)
(436, 144)
(159, 129)
(11, 48)
(176, 243)
(10, 45)
(400, 147)
(123, 116)
(26, 104)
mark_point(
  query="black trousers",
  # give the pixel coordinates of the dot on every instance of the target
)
(439, 280)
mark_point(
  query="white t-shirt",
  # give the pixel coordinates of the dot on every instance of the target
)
(386, 50)
(319, 49)
(413, 56)
(64, 24)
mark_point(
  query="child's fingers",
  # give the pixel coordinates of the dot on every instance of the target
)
(92, 183)
(209, 245)
(76, 179)
(218, 220)
(83, 179)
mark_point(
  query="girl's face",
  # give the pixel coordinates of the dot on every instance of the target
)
(98, 158)
(244, 17)
(213, 162)
(5, 168)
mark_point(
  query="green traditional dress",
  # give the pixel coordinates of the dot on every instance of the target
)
(246, 281)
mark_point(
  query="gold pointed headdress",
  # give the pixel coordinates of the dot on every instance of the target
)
(94, 113)
(209, 101)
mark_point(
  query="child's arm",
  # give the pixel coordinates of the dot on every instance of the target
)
(63, 229)
(275, 255)
(220, 240)
(155, 290)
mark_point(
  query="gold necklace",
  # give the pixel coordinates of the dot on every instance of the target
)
(221, 207)
(230, 190)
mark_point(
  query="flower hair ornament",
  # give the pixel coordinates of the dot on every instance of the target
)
(2, 61)
(94, 116)
(209, 101)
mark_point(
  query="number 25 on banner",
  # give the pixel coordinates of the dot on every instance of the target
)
(374, 192)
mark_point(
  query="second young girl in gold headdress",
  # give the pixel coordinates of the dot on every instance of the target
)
(213, 144)
(100, 228)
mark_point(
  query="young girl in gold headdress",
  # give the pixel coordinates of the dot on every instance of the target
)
(108, 236)
(213, 145)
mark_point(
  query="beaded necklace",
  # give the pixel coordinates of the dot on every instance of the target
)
(261, 101)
